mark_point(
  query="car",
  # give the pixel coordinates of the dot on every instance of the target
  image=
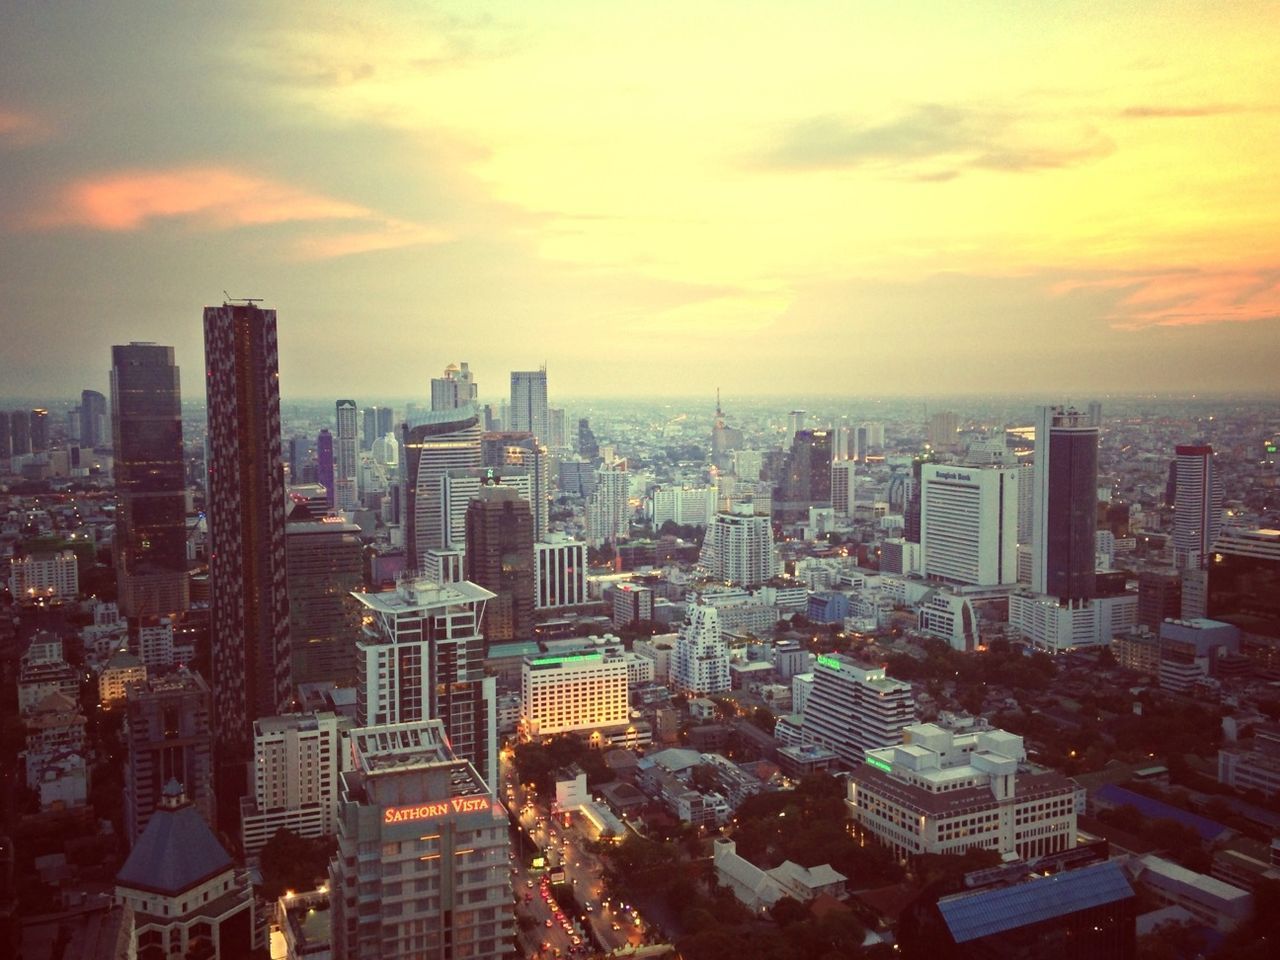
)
(575, 939)
(529, 884)
(617, 926)
(549, 923)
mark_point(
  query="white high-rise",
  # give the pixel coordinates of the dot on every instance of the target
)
(683, 505)
(852, 709)
(609, 506)
(344, 457)
(456, 388)
(701, 662)
(582, 690)
(1197, 506)
(738, 547)
(560, 565)
(969, 523)
(447, 440)
(529, 412)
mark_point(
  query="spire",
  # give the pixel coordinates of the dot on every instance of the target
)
(718, 412)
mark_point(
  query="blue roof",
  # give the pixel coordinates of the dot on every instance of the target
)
(1209, 830)
(970, 916)
(175, 852)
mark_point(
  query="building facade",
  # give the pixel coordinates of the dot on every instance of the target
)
(448, 440)
(700, 662)
(325, 567)
(738, 548)
(969, 524)
(344, 455)
(1066, 515)
(500, 558)
(529, 412)
(852, 709)
(572, 692)
(560, 570)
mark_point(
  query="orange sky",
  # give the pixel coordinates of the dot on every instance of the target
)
(811, 197)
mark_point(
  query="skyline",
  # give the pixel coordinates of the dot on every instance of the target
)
(1077, 199)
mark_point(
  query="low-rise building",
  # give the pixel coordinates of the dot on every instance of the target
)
(1213, 903)
(121, 672)
(1242, 768)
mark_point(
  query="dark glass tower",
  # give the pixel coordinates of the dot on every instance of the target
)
(93, 417)
(151, 522)
(500, 559)
(1066, 513)
(324, 463)
(249, 599)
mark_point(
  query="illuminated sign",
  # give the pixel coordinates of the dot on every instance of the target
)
(435, 809)
(830, 662)
(879, 764)
(952, 475)
(551, 661)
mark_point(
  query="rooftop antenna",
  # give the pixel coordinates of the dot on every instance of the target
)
(228, 298)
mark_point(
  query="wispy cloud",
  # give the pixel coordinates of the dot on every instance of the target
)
(1177, 111)
(1184, 298)
(958, 138)
(21, 129)
(220, 198)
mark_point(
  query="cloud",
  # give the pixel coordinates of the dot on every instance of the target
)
(959, 138)
(1147, 111)
(220, 198)
(20, 129)
(1186, 298)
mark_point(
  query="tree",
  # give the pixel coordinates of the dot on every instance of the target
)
(290, 862)
(788, 911)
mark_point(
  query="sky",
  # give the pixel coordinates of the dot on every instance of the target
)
(649, 198)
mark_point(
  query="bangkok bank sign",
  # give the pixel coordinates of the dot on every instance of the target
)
(436, 809)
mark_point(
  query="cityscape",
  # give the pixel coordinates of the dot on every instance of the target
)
(701, 482)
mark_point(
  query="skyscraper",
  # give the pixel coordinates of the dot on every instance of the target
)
(504, 450)
(324, 566)
(448, 440)
(6, 437)
(344, 459)
(807, 478)
(588, 448)
(943, 427)
(378, 422)
(150, 477)
(1197, 510)
(701, 662)
(529, 403)
(324, 464)
(609, 506)
(969, 524)
(249, 598)
(500, 559)
(456, 388)
(1066, 514)
(738, 547)
(20, 431)
(93, 418)
(39, 430)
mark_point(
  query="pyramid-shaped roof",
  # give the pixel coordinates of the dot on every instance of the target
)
(177, 851)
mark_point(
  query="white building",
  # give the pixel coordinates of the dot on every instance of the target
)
(1197, 505)
(577, 691)
(844, 481)
(852, 709)
(738, 547)
(52, 576)
(661, 651)
(1058, 627)
(608, 508)
(701, 662)
(943, 792)
(949, 617)
(692, 506)
(344, 457)
(155, 643)
(121, 672)
(560, 565)
(969, 524)
(297, 760)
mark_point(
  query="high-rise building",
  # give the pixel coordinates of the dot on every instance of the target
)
(6, 437)
(344, 456)
(168, 736)
(325, 472)
(806, 480)
(1197, 509)
(20, 431)
(588, 448)
(852, 709)
(844, 480)
(421, 867)
(421, 657)
(560, 565)
(39, 430)
(1066, 513)
(447, 440)
(795, 423)
(456, 388)
(969, 524)
(529, 403)
(724, 439)
(325, 566)
(738, 547)
(93, 418)
(507, 449)
(686, 506)
(555, 428)
(943, 427)
(249, 597)
(609, 506)
(378, 422)
(579, 690)
(500, 559)
(700, 664)
(1244, 581)
(150, 479)
(1159, 597)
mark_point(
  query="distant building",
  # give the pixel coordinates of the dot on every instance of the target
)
(1197, 510)
(500, 558)
(560, 566)
(1065, 519)
(455, 388)
(738, 548)
(700, 664)
(969, 524)
(529, 410)
(631, 604)
(580, 691)
(448, 440)
(608, 510)
(325, 565)
(44, 576)
(344, 459)
(852, 709)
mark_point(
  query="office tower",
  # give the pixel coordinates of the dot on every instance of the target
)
(844, 480)
(1026, 501)
(686, 506)
(588, 448)
(560, 566)
(422, 852)
(6, 437)
(529, 404)
(1095, 414)
(93, 418)
(806, 480)
(1066, 513)
(555, 428)
(1244, 581)
(1159, 598)
(168, 735)
(421, 657)
(377, 423)
(943, 427)
(579, 690)
(249, 600)
(969, 524)
(700, 665)
(20, 431)
(185, 894)
(500, 559)
(456, 388)
(738, 548)
(609, 506)
(1197, 511)
(299, 451)
(795, 423)
(460, 487)
(344, 456)
(873, 431)
(39, 430)
(853, 709)
(325, 471)
(150, 477)
(324, 566)
(447, 440)
(504, 450)
(747, 464)
(73, 426)
(724, 438)
(296, 762)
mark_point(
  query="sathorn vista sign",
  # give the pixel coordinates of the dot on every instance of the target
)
(436, 809)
